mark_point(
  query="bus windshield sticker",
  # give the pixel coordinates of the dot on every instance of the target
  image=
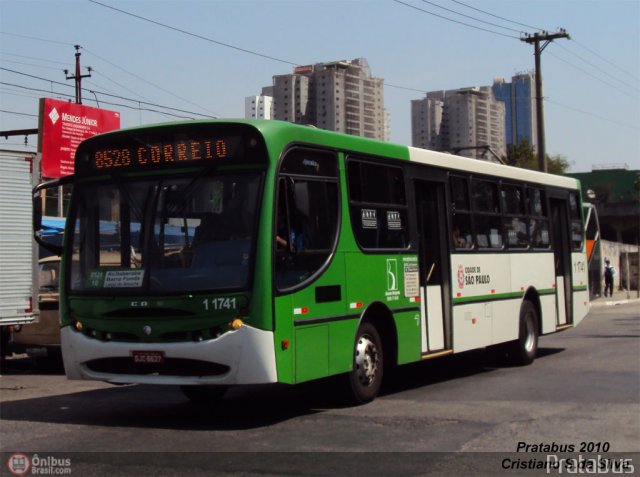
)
(394, 222)
(369, 219)
(123, 279)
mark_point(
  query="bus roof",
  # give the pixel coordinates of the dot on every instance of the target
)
(281, 132)
(477, 166)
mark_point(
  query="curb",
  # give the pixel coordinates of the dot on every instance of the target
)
(601, 302)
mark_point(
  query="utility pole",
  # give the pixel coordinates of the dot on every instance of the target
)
(536, 38)
(78, 77)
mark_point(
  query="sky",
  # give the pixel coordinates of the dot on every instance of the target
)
(202, 58)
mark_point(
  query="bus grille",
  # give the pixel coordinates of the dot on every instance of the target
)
(170, 367)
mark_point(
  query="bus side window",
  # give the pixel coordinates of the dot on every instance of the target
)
(461, 214)
(515, 222)
(306, 221)
(538, 219)
(576, 221)
(488, 222)
(378, 205)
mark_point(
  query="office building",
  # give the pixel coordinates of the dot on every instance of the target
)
(520, 109)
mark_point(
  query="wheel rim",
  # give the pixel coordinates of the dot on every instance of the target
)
(367, 360)
(530, 334)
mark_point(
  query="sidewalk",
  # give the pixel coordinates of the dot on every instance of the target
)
(620, 297)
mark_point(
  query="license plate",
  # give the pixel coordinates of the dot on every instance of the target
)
(148, 357)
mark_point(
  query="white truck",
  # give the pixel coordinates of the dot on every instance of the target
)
(18, 250)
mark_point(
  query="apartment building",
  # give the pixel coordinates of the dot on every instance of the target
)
(467, 121)
(339, 96)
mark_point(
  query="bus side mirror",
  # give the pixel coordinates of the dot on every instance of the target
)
(41, 238)
(37, 213)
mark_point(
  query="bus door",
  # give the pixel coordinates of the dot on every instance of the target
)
(562, 258)
(435, 280)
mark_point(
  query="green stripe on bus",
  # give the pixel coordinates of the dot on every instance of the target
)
(499, 296)
(547, 291)
(492, 297)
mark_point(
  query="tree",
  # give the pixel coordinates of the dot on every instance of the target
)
(524, 155)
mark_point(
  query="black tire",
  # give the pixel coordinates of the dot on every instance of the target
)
(523, 351)
(204, 394)
(364, 381)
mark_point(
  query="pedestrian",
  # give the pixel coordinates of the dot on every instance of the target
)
(609, 273)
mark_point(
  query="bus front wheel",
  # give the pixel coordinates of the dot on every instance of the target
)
(365, 379)
(523, 351)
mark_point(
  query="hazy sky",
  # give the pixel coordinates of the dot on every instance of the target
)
(591, 82)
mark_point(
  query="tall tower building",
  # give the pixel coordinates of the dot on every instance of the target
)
(520, 110)
(338, 96)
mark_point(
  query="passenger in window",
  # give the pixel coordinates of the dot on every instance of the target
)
(458, 240)
(294, 244)
(517, 232)
(293, 241)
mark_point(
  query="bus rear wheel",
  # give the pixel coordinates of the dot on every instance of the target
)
(523, 351)
(365, 379)
(204, 394)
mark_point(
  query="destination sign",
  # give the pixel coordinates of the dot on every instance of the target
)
(166, 148)
(155, 154)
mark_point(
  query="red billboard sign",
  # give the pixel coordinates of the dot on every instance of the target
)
(63, 126)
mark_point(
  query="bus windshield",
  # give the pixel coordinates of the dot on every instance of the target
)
(165, 235)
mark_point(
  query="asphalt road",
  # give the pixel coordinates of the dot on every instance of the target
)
(460, 414)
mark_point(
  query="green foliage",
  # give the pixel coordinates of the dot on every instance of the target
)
(524, 155)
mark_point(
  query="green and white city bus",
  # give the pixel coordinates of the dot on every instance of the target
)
(230, 252)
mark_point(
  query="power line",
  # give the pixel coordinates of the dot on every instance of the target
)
(195, 35)
(35, 77)
(146, 81)
(450, 20)
(99, 57)
(497, 16)
(635, 77)
(18, 113)
(44, 60)
(102, 59)
(595, 77)
(598, 68)
(31, 64)
(103, 93)
(592, 114)
(116, 83)
(405, 88)
(470, 17)
(21, 94)
(139, 108)
(36, 38)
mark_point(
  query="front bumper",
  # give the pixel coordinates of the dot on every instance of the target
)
(248, 353)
